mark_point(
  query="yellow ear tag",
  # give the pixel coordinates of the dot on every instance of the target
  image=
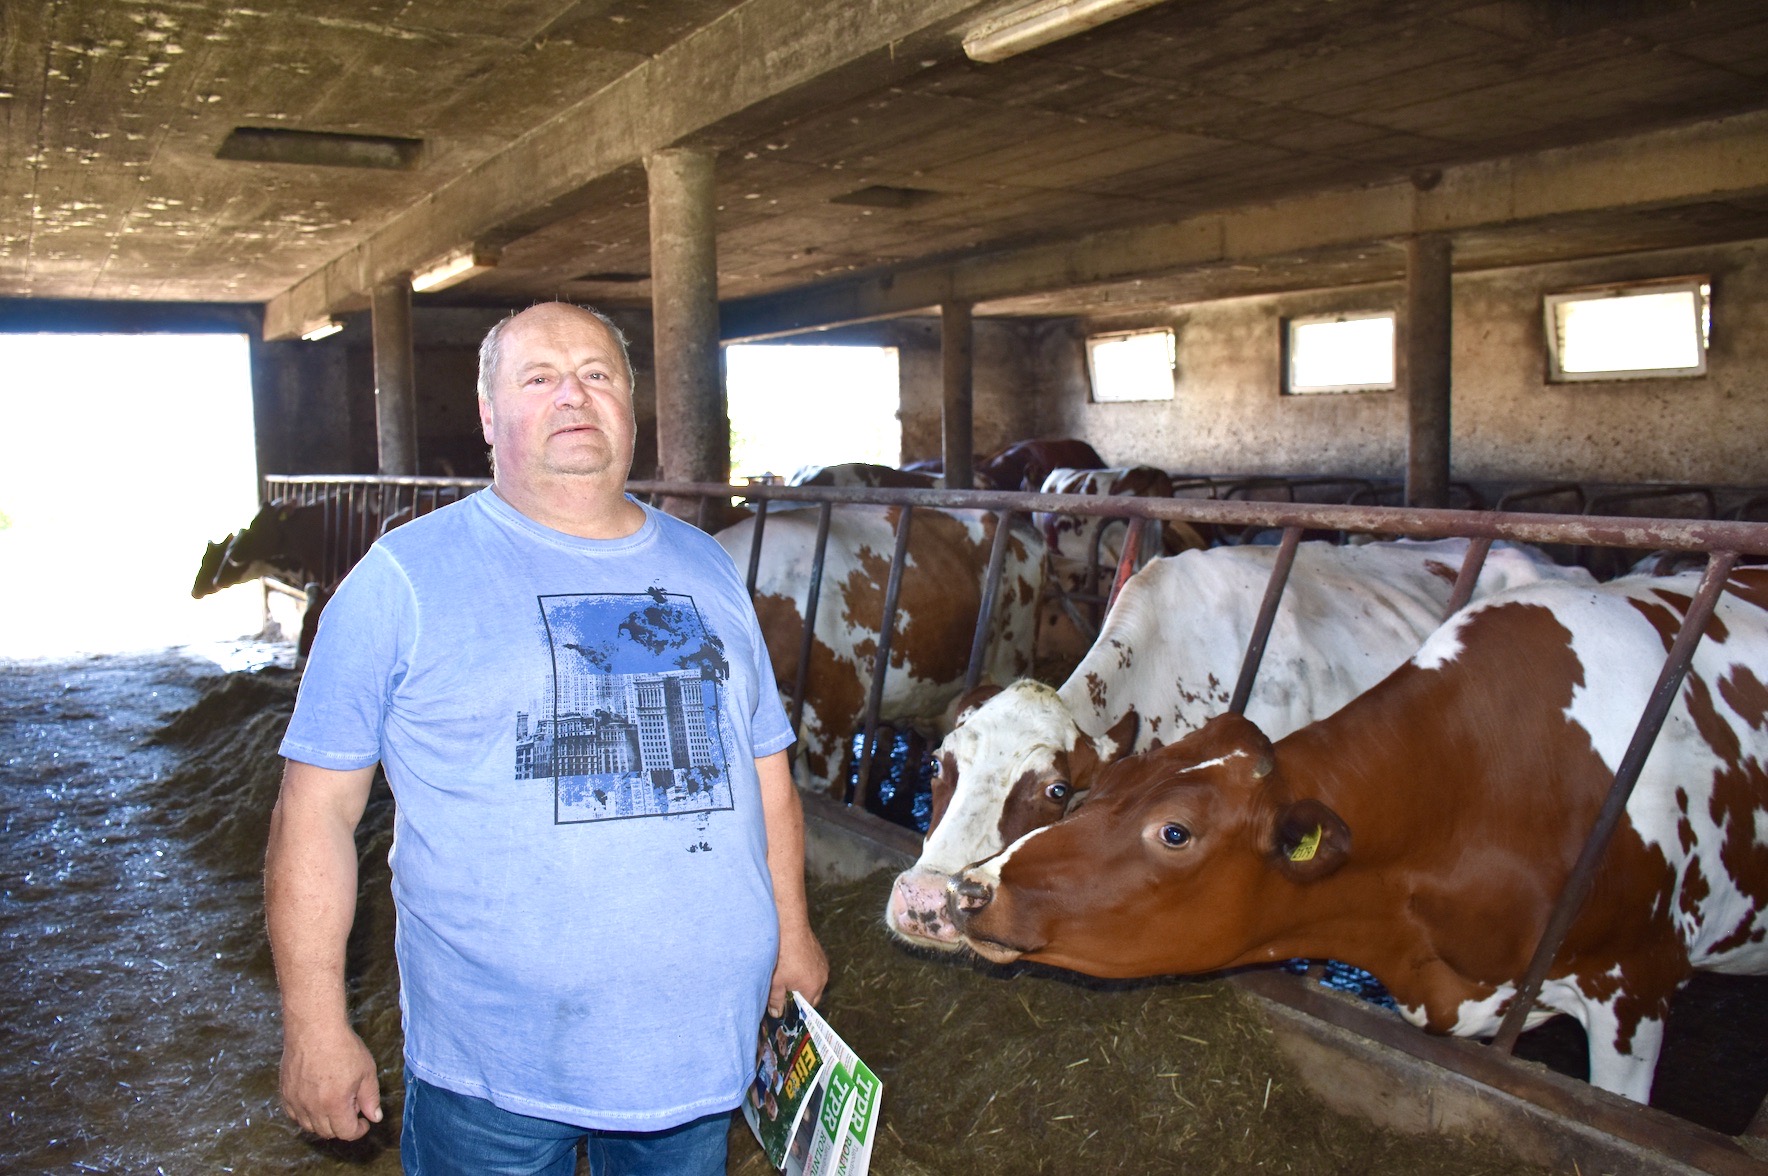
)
(1307, 847)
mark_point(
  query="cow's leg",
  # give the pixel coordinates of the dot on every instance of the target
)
(1624, 1069)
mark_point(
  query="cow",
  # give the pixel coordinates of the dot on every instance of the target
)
(1024, 465)
(859, 473)
(285, 540)
(1165, 662)
(1078, 543)
(940, 597)
(1424, 832)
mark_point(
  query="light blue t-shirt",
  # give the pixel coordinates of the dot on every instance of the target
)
(586, 927)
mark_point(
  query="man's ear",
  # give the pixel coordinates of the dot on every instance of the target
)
(1309, 841)
(485, 418)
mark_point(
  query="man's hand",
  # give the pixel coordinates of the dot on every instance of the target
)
(802, 968)
(328, 1075)
(328, 1084)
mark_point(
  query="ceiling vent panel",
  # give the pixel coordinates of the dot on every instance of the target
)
(881, 196)
(320, 148)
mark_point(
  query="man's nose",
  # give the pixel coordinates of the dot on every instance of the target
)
(571, 390)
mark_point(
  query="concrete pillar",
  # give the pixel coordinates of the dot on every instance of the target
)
(693, 423)
(1424, 368)
(957, 353)
(395, 377)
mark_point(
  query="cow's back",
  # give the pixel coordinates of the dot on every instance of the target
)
(940, 596)
(1699, 811)
(1350, 615)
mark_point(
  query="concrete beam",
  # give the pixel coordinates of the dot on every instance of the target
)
(1724, 159)
(750, 63)
(1424, 352)
(693, 423)
(957, 352)
(395, 377)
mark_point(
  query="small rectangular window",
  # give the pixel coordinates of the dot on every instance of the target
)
(1132, 365)
(1628, 332)
(1341, 353)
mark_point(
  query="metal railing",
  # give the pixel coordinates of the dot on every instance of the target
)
(1725, 542)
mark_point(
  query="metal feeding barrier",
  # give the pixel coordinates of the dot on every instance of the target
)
(348, 499)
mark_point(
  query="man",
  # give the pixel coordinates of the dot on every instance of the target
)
(598, 850)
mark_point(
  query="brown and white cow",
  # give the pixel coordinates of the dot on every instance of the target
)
(1424, 831)
(939, 602)
(1165, 662)
(859, 473)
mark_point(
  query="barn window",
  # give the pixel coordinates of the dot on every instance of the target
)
(1132, 365)
(1629, 332)
(1340, 353)
(794, 405)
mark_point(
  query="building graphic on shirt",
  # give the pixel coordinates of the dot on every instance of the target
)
(628, 723)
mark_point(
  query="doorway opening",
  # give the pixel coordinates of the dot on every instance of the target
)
(121, 457)
(793, 405)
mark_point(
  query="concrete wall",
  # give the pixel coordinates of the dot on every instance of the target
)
(1229, 415)
(315, 401)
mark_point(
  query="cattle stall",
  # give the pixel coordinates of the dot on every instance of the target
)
(1326, 1024)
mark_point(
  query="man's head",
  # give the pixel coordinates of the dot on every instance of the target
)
(555, 396)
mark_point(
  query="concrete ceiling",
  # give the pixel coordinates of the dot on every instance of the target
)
(857, 139)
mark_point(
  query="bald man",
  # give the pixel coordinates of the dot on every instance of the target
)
(598, 856)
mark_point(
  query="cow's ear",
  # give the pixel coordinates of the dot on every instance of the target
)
(967, 703)
(1089, 754)
(1309, 841)
(1119, 738)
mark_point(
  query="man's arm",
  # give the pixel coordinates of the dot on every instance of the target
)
(802, 966)
(329, 1082)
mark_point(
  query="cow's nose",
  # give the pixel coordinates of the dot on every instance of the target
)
(969, 895)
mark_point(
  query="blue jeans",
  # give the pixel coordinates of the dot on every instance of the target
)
(449, 1134)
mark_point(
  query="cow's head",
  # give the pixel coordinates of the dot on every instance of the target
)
(1182, 861)
(210, 569)
(268, 546)
(1014, 762)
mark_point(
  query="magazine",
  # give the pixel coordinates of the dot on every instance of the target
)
(813, 1104)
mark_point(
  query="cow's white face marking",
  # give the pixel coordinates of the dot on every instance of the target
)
(1211, 763)
(1020, 730)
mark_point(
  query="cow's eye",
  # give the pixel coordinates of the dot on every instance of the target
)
(1058, 791)
(933, 766)
(1174, 836)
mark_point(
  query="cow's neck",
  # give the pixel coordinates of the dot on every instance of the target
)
(1437, 773)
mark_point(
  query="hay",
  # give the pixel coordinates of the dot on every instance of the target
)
(1030, 1071)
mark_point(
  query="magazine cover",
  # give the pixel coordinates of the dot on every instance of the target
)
(813, 1104)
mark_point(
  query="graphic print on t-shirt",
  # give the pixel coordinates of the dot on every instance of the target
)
(628, 725)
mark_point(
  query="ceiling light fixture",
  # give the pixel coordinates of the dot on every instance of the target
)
(321, 328)
(451, 269)
(1027, 26)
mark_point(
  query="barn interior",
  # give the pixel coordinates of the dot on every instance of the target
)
(1217, 168)
(362, 189)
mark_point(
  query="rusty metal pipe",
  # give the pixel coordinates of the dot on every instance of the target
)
(1267, 615)
(1471, 566)
(1126, 563)
(991, 587)
(881, 663)
(1583, 875)
(810, 604)
(755, 546)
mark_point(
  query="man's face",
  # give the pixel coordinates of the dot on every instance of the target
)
(561, 398)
